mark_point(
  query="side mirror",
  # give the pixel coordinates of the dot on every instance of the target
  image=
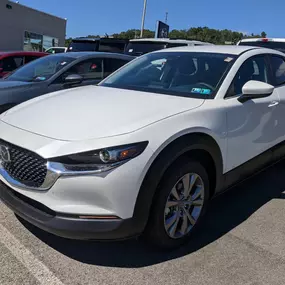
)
(73, 79)
(255, 89)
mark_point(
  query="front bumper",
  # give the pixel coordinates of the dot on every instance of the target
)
(67, 226)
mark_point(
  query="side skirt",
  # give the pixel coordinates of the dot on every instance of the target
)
(252, 167)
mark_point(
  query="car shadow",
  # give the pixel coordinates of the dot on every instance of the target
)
(226, 212)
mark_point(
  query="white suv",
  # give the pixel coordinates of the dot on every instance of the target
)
(146, 150)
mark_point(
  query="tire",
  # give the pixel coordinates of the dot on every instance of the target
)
(158, 231)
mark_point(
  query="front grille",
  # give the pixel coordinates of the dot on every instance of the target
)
(25, 166)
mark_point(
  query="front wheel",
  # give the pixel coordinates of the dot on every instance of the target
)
(179, 204)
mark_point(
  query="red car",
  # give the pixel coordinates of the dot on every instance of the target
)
(9, 61)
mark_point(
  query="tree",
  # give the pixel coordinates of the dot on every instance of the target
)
(205, 34)
(93, 36)
(263, 35)
(68, 41)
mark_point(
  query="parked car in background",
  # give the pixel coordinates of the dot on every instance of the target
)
(97, 44)
(146, 150)
(10, 61)
(56, 50)
(139, 47)
(273, 43)
(57, 72)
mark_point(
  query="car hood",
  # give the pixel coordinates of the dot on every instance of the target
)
(95, 112)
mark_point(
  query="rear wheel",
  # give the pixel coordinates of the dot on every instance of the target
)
(179, 204)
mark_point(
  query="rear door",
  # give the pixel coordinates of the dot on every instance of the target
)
(277, 63)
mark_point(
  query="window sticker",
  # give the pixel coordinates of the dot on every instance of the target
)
(202, 91)
(40, 78)
(206, 91)
(196, 90)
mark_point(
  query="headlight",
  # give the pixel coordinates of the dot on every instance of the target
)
(98, 160)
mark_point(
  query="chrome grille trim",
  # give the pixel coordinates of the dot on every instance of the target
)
(25, 167)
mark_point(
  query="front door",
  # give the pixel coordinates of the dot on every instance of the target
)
(91, 70)
(252, 126)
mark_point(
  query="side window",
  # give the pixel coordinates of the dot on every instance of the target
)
(112, 64)
(58, 50)
(51, 50)
(11, 63)
(29, 58)
(278, 69)
(254, 68)
(89, 69)
(19, 61)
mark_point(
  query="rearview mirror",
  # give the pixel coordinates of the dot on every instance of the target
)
(255, 89)
(73, 79)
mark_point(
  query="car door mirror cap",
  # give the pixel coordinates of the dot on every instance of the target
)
(73, 79)
(255, 89)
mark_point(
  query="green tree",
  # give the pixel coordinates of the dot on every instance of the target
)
(205, 34)
(68, 41)
(263, 35)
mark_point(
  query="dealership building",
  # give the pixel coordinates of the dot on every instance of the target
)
(24, 28)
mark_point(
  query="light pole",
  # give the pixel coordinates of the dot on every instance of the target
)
(143, 17)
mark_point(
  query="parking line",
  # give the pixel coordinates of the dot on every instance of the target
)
(35, 266)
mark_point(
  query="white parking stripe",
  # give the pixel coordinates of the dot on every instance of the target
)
(36, 267)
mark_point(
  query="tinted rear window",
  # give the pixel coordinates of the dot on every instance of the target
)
(112, 47)
(83, 46)
(139, 48)
(273, 45)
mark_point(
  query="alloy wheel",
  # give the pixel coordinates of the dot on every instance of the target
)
(184, 205)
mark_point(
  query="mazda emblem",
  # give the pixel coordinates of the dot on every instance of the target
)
(4, 154)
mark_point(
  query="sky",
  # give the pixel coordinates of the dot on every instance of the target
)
(93, 17)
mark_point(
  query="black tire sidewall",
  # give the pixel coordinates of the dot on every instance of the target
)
(155, 231)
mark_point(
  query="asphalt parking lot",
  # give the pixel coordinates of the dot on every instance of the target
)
(241, 242)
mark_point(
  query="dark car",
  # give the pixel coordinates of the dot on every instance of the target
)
(138, 47)
(273, 43)
(98, 44)
(10, 61)
(57, 72)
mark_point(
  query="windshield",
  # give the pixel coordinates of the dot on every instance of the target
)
(273, 45)
(190, 74)
(40, 69)
(83, 46)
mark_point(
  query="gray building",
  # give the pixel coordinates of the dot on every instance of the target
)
(24, 28)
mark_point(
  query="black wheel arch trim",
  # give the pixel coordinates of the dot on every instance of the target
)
(168, 155)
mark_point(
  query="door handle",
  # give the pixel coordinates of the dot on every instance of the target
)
(273, 103)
